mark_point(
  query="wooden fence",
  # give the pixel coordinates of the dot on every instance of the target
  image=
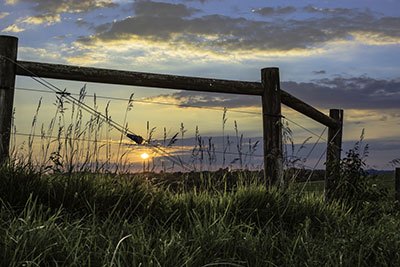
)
(269, 90)
(397, 184)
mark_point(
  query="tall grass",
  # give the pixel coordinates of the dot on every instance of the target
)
(57, 210)
(108, 220)
(77, 141)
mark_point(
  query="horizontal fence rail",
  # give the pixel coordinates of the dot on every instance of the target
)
(99, 75)
(268, 89)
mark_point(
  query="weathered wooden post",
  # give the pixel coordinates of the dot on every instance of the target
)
(397, 183)
(272, 126)
(333, 153)
(8, 55)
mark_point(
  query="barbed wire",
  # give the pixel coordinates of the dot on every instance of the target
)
(180, 105)
(122, 129)
(62, 137)
(128, 144)
(92, 111)
(306, 129)
(146, 101)
(176, 105)
(309, 154)
(319, 160)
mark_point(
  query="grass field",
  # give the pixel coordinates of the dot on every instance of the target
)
(109, 220)
(61, 206)
(385, 180)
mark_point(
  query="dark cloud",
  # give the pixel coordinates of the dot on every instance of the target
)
(319, 72)
(174, 25)
(61, 37)
(159, 9)
(354, 93)
(384, 145)
(102, 27)
(201, 1)
(395, 115)
(83, 23)
(330, 11)
(69, 6)
(189, 98)
(270, 11)
(381, 151)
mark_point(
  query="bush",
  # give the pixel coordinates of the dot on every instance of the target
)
(354, 187)
(18, 182)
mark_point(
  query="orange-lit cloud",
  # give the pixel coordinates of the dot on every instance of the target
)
(177, 32)
(11, 2)
(22, 24)
(3, 15)
(71, 6)
(47, 19)
(13, 28)
(172, 23)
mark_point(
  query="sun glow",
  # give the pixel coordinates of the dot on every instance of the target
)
(144, 156)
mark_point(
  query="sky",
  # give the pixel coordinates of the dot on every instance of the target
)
(331, 54)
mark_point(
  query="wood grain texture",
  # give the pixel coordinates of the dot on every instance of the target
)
(98, 75)
(8, 55)
(333, 153)
(397, 183)
(272, 127)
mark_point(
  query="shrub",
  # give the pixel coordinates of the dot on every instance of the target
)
(354, 187)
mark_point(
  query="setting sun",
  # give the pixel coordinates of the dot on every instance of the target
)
(144, 156)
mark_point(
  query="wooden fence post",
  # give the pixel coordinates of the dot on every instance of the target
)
(397, 183)
(333, 153)
(8, 55)
(272, 126)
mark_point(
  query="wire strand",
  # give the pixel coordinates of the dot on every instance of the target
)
(319, 160)
(309, 154)
(169, 104)
(89, 109)
(176, 105)
(306, 129)
(124, 143)
(124, 130)
(148, 102)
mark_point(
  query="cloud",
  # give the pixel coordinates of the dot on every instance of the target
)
(80, 22)
(330, 11)
(13, 28)
(271, 11)
(173, 24)
(209, 32)
(22, 24)
(49, 54)
(46, 19)
(67, 6)
(384, 145)
(318, 72)
(62, 37)
(201, 1)
(159, 9)
(3, 15)
(189, 98)
(349, 93)
(11, 2)
(357, 92)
